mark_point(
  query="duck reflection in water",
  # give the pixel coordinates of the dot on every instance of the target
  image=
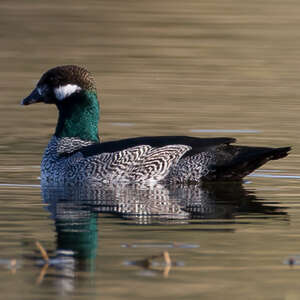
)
(76, 243)
(76, 211)
(150, 203)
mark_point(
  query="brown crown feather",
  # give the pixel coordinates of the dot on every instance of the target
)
(69, 74)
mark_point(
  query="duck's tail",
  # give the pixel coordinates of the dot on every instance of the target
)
(245, 160)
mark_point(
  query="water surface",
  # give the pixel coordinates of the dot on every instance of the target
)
(209, 68)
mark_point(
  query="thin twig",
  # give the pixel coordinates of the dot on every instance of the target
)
(43, 251)
(168, 262)
(167, 258)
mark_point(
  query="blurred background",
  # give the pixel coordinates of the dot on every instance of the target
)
(201, 68)
(165, 67)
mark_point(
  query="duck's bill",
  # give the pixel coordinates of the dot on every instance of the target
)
(34, 97)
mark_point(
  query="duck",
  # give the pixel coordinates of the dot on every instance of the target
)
(75, 155)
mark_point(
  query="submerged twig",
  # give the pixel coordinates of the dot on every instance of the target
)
(42, 273)
(46, 259)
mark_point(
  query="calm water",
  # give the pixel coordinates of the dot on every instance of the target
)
(201, 68)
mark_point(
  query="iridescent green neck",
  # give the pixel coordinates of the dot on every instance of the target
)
(79, 117)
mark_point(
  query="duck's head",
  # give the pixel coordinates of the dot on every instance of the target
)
(61, 83)
(73, 90)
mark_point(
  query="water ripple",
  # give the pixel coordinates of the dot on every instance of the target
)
(226, 130)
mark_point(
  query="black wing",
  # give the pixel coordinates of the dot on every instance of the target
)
(197, 144)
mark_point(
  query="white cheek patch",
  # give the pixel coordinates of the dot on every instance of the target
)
(64, 91)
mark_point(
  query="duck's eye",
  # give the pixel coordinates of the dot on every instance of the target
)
(42, 90)
(65, 91)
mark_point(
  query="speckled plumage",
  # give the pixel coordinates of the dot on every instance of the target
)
(74, 154)
(137, 164)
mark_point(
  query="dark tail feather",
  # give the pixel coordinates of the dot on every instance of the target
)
(249, 159)
(280, 153)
